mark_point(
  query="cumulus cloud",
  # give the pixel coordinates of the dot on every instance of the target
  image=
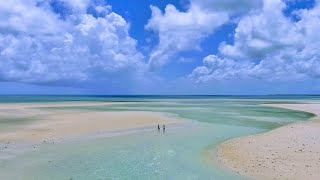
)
(72, 41)
(259, 34)
(77, 5)
(181, 31)
(37, 45)
(18, 16)
(231, 6)
(268, 45)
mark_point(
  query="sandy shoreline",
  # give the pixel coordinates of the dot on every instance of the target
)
(288, 152)
(46, 125)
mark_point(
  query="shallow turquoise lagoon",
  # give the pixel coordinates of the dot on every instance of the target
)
(179, 153)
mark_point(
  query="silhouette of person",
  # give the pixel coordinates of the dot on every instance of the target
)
(164, 128)
(158, 128)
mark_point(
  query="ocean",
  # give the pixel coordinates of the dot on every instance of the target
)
(185, 152)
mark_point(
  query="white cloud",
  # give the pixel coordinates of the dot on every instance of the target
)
(231, 6)
(36, 46)
(18, 16)
(40, 45)
(181, 31)
(259, 34)
(215, 68)
(268, 45)
(78, 5)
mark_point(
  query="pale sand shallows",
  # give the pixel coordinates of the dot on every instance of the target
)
(289, 152)
(55, 124)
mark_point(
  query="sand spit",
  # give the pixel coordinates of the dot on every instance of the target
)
(55, 104)
(48, 125)
(289, 152)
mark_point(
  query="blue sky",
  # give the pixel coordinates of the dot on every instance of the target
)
(159, 47)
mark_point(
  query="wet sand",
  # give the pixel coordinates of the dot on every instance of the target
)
(288, 152)
(40, 124)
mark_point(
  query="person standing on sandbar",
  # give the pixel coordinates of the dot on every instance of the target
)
(164, 128)
(158, 128)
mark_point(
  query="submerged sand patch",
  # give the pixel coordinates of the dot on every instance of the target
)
(289, 152)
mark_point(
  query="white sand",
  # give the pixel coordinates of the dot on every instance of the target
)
(55, 104)
(50, 124)
(289, 152)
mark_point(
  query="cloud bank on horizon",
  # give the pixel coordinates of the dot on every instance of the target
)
(81, 43)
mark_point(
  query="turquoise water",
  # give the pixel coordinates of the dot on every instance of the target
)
(179, 153)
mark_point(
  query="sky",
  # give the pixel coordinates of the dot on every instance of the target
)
(147, 47)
